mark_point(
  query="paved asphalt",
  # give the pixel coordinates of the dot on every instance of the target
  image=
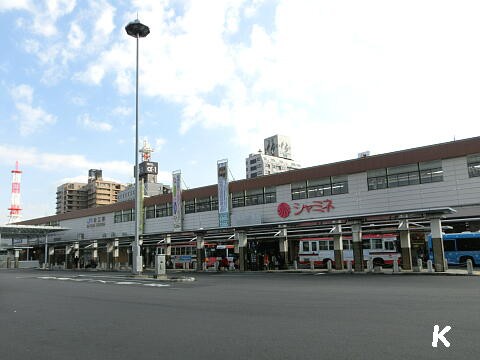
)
(229, 316)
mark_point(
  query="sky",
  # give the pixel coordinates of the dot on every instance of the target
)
(218, 76)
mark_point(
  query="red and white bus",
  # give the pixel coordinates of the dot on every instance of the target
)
(381, 248)
(186, 252)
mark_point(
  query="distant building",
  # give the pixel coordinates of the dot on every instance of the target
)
(97, 192)
(147, 175)
(275, 158)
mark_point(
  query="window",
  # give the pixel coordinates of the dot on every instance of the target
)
(449, 245)
(299, 191)
(189, 206)
(270, 195)
(431, 171)
(389, 245)
(314, 245)
(214, 203)
(347, 245)
(253, 168)
(468, 244)
(412, 174)
(473, 165)
(203, 205)
(117, 218)
(253, 161)
(150, 212)
(339, 185)
(254, 197)
(318, 188)
(366, 244)
(323, 245)
(238, 199)
(305, 246)
(377, 244)
(163, 210)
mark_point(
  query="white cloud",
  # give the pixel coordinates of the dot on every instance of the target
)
(122, 111)
(159, 143)
(30, 118)
(7, 5)
(76, 36)
(31, 157)
(86, 121)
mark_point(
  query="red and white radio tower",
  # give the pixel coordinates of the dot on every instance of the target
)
(15, 204)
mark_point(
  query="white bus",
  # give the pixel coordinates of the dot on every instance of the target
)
(381, 248)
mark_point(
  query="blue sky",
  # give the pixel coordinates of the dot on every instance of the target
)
(217, 77)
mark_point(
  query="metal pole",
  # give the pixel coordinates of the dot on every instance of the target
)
(46, 251)
(136, 258)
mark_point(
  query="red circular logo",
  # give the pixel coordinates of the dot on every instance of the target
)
(283, 210)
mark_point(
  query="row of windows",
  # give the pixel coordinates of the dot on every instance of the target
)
(332, 185)
(254, 197)
(370, 244)
(201, 205)
(412, 174)
(124, 216)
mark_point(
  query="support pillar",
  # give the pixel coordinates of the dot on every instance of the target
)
(200, 250)
(357, 246)
(283, 242)
(95, 253)
(405, 245)
(437, 244)
(45, 260)
(17, 256)
(116, 264)
(76, 255)
(241, 238)
(168, 249)
(338, 246)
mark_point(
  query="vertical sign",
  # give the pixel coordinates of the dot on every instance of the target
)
(177, 200)
(223, 194)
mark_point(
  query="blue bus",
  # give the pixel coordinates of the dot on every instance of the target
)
(459, 248)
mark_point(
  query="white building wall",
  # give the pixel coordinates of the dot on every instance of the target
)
(456, 190)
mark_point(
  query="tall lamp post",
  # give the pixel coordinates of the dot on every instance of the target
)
(137, 30)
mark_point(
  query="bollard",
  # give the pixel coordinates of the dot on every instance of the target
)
(329, 265)
(396, 269)
(312, 265)
(295, 265)
(420, 264)
(204, 266)
(370, 265)
(429, 266)
(349, 266)
(445, 265)
(469, 267)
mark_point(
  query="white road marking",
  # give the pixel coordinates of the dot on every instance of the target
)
(103, 281)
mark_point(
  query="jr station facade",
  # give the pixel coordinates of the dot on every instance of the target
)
(411, 193)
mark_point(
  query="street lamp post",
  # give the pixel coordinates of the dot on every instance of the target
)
(137, 30)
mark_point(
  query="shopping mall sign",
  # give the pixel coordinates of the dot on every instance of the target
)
(284, 210)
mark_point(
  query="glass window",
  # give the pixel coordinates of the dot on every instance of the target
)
(214, 202)
(431, 171)
(339, 185)
(189, 206)
(238, 199)
(389, 245)
(320, 187)
(254, 197)
(468, 244)
(270, 195)
(347, 245)
(305, 246)
(314, 245)
(377, 179)
(150, 212)
(377, 244)
(117, 217)
(323, 245)
(473, 165)
(330, 245)
(202, 205)
(366, 244)
(449, 245)
(299, 191)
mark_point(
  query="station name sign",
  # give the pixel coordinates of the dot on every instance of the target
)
(95, 221)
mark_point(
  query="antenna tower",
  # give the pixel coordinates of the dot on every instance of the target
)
(15, 203)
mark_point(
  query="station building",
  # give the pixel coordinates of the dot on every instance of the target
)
(413, 192)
